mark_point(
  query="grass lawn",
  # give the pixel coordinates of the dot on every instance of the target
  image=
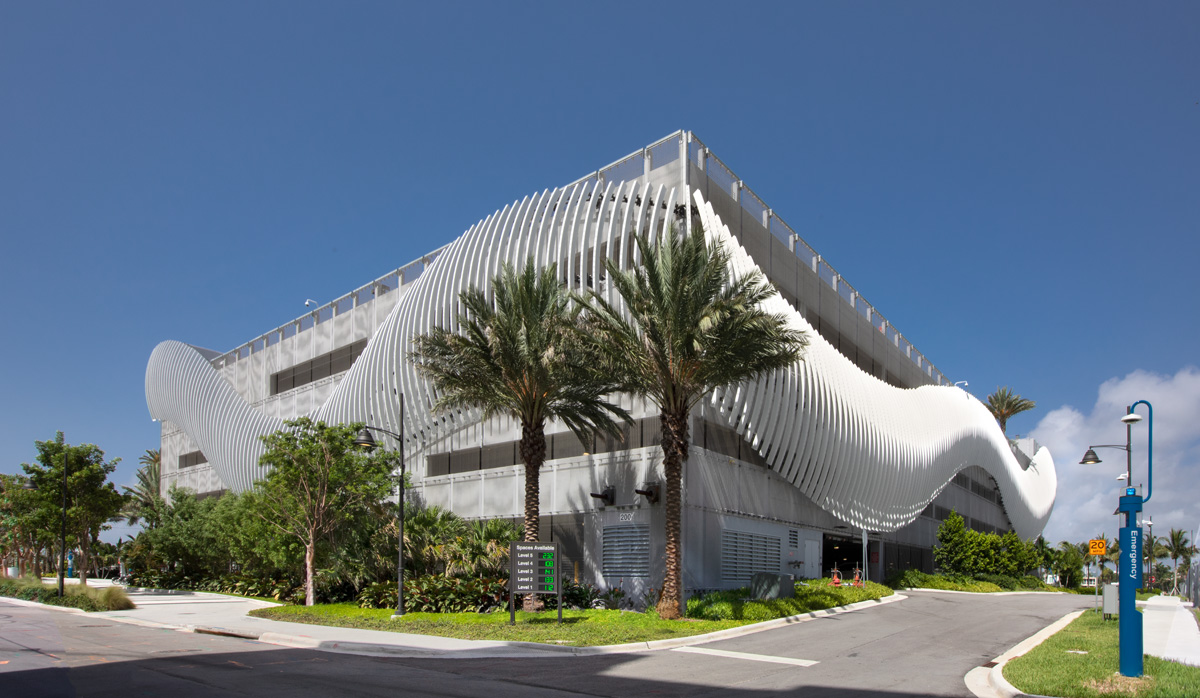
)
(582, 628)
(1082, 661)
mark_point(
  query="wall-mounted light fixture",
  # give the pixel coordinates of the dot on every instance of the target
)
(606, 496)
(652, 491)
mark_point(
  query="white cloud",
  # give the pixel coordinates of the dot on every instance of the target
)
(1087, 494)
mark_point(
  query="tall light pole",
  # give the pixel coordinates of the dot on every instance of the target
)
(62, 549)
(1130, 542)
(367, 441)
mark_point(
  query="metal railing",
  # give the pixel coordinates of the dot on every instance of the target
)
(364, 294)
(666, 150)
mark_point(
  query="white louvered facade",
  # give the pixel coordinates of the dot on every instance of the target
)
(860, 435)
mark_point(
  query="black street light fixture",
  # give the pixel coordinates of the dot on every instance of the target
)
(367, 441)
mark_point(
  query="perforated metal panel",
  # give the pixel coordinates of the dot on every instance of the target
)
(626, 550)
(869, 453)
(743, 554)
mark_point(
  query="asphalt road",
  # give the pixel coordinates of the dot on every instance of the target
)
(922, 646)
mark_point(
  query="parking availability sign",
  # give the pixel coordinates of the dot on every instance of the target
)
(533, 569)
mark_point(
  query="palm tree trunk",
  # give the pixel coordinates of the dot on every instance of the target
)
(533, 454)
(675, 449)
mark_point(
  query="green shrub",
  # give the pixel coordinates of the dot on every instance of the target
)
(1003, 581)
(438, 594)
(915, 579)
(114, 599)
(377, 595)
(735, 604)
(242, 584)
(78, 596)
(574, 596)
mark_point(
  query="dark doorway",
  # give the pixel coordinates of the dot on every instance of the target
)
(842, 553)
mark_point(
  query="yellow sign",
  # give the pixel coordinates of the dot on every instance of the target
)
(1097, 547)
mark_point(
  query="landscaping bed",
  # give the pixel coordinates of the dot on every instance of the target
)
(1083, 660)
(79, 596)
(813, 595)
(586, 627)
(983, 584)
(579, 628)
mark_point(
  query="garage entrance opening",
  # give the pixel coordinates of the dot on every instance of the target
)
(843, 553)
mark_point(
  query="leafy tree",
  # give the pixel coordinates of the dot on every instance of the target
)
(144, 500)
(18, 522)
(1044, 554)
(954, 553)
(520, 352)
(1068, 565)
(1004, 404)
(317, 480)
(187, 539)
(91, 501)
(686, 327)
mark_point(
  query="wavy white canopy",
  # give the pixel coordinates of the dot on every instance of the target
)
(872, 454)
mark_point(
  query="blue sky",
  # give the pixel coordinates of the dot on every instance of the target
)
(1014, 186)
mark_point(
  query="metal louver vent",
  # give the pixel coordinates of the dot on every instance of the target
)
(793, 539)
(626, 550)
(743, 554)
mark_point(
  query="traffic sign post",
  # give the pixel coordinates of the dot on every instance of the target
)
(533, 569)
(1099, 548)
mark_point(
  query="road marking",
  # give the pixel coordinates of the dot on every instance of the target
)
(747, 656)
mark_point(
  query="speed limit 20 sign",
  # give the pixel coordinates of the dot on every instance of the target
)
(1097, 547)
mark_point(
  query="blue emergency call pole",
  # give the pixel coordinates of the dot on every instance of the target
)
(1130, 541)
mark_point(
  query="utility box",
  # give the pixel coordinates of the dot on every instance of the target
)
(767, 585)
(1111, 600)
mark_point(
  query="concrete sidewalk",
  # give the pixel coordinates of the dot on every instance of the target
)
(1170, 631)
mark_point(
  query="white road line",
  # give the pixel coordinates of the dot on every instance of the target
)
(747, 656)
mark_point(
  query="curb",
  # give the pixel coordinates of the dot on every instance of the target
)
(996, 675)
(50, 606)
(987, 593)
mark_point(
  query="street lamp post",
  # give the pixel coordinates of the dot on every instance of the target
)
(366, 440)
(62, 549)
(1130, 567)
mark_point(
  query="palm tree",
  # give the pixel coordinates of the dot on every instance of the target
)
(428, 535)
(1177, 546)
(1108, 556)
(685, 328)
(522, 353)
(482, 549)
(1004, 404)
(143, 498)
